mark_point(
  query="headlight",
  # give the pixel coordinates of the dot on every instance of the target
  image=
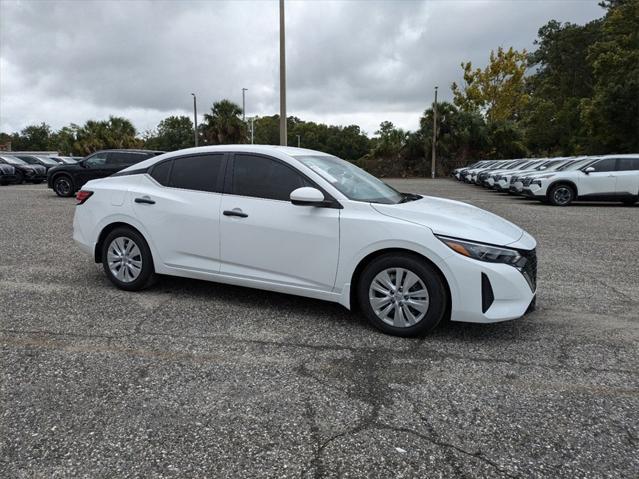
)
(483, 252)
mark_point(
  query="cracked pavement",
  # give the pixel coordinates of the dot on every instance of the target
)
(195, 379)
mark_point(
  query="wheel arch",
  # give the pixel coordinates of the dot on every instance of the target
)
(97, 253)
(570, 183)
(366, 260)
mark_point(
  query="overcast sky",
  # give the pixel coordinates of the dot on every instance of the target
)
(348, 62)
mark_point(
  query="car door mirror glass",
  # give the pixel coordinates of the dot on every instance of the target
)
(307, 196)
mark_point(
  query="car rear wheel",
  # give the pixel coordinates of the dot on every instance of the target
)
(402, 295)
(63, 186)
(127, 260)
(561, 195)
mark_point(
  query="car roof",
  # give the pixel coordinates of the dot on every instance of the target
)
(273, 150)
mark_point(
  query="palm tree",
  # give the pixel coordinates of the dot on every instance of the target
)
(223, 125)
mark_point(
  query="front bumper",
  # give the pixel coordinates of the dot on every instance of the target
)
(512, 295)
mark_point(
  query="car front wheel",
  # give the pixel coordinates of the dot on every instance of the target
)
(561, 195)
(63, 186)
(127, 260)
(402, 295)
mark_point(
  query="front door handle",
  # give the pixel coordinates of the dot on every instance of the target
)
(145, 199)
(235, 212)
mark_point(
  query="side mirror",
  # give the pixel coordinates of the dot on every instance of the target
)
(307, 196)
(589, 170)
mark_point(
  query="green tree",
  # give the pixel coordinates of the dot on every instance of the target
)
(224, 125)
(172, 133)
(498, 91)
(611, 115)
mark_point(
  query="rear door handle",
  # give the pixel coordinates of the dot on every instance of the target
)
(235, 212)
(145, 199)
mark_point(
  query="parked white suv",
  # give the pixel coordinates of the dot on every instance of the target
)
(303, 222)
(606, 178)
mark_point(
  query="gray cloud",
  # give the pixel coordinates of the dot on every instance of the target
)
(348, 61)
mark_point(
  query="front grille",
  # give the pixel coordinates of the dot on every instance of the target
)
(529, 268)
(527, 181)
(513, 180)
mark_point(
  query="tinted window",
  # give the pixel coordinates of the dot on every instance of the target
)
(628, 164)
(97, 160)
(265, 178)
(161, 171)
(118, 158)
(607, 164)
(202, 173)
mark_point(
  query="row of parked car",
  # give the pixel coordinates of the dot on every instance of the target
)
(64, 174)
(560, 181)
(20, 168)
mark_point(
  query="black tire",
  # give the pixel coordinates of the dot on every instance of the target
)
(147, 274)
(19, 177)
(561, 195)
(429, 276)
(63, 186)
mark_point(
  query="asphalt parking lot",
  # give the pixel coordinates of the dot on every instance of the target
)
(194, 379)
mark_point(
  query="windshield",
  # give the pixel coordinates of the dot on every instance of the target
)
(575, 165)
(13, 160)
(351, 181)
(47, 161)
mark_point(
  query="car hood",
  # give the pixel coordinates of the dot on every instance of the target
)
(455, 219)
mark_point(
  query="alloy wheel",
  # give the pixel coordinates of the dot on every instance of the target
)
(399, 297)
(124, 259)
(562, 195)
(63, 186)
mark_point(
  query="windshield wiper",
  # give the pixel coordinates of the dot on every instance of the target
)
(410, 197)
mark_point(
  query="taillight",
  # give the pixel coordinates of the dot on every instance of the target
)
(82, 196)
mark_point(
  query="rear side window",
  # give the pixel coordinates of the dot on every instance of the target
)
(262, 177)
(160, 172)
(628, 164)
(201, 173)
(607, 164)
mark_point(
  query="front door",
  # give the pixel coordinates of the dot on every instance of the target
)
(601, 182)
(265, 237)
(628, 176)
(94, 167)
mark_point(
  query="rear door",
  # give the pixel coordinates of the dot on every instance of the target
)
(602, 181)
(265, 237)
(627, 176)
(179, 205)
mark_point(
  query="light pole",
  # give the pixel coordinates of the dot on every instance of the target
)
(298, 140)
(282, 77)
(244, 90)
(432, 161)
(195, 117)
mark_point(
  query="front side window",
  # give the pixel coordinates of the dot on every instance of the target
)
(351, 181)
(607, 164)
(628, 164)
(201, 173)
(96, 161)
(262, 177)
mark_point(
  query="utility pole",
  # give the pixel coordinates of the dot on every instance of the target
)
(282, 77)
(244, 90)
(195, 117)
(432, 162)
(299, 140)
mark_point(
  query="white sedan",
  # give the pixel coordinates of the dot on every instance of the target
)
(304, 222)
